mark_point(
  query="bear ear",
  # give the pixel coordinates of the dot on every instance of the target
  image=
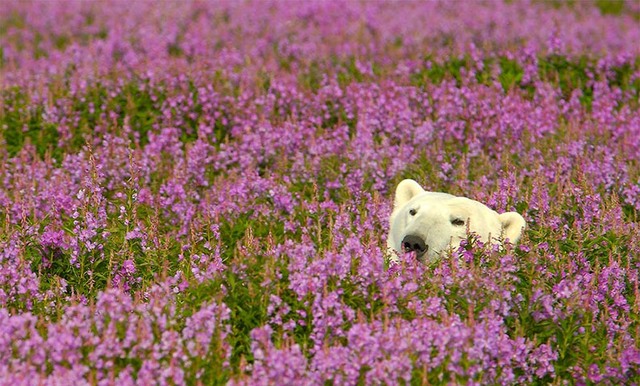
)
(406, 190)
(512, 226)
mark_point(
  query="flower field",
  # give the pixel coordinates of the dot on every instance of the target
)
(199, 192)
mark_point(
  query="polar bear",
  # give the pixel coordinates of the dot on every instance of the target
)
(430, 223)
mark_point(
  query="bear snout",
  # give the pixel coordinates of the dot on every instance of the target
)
(413, 243)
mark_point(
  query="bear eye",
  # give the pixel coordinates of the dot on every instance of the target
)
(457, 222)
(412, 212)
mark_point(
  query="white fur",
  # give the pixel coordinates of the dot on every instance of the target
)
(434, 221)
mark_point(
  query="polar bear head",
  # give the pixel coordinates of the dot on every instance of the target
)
(430, 223)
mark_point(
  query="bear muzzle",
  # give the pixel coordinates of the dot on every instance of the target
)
(413, 243)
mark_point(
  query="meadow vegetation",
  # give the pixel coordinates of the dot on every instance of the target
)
(198, 193)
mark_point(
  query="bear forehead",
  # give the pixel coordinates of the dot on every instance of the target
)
(444, 203)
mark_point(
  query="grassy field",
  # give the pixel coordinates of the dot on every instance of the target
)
(198, 193)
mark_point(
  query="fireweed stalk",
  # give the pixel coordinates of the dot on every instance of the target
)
(198, 193)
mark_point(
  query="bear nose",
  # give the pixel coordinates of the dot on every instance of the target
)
(415, 244)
